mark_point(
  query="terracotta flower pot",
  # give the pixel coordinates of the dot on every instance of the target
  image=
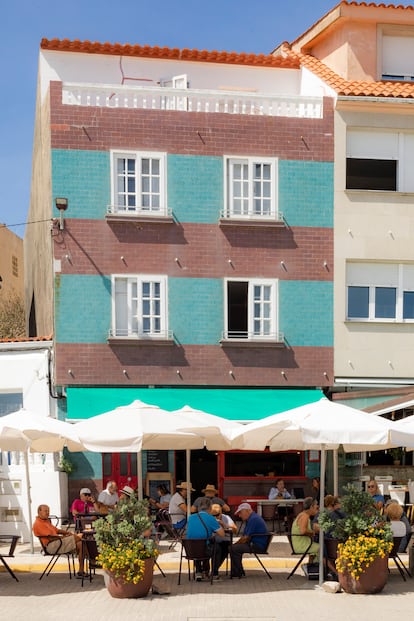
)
(117, 587)
(372, 579)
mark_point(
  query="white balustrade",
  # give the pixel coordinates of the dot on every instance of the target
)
(161, 98)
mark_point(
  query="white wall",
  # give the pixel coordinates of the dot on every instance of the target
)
(105, 69)
(27, 370)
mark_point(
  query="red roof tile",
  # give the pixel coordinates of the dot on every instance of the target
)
(356, 88)
(27, 339)
(145, 51)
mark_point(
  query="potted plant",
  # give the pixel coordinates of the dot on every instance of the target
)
(363, 542)
(397, 455)
(126, 552)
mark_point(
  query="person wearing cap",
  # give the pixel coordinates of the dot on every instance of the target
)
(177, 507)
(254, 538)
(86, 503)
(211, 492)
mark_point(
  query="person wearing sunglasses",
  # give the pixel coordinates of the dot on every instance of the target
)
(374, 491)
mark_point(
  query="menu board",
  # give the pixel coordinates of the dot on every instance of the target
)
(153, 480)
(157, 461)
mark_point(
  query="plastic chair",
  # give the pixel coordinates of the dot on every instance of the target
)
(90, 553)
(196, 550)
(257, 553)
(397, 560)
(302, 555)
(54, 556)
(12, 540)
(166, 524)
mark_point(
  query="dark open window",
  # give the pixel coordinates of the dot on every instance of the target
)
(237, 309)
(369, 174)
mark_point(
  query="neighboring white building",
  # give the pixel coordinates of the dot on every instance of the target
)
(25, 368)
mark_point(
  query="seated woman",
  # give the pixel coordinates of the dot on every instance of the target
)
(302, 525)
(393, 511)
(374, 491)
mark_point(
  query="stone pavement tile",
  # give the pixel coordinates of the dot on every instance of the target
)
(57, 598)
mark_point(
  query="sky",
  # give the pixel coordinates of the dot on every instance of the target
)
(255, 26)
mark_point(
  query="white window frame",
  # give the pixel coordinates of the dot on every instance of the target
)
(252, 334)
(249, 213)
(391, 145)
(173, 102)
(402, 281)
(134, 311)
(140, 191)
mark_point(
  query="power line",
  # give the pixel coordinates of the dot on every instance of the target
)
(9, 226)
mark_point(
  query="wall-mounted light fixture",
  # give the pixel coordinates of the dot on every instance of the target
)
(62, 205)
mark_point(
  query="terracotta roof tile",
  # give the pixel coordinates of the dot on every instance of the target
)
(356, 88)
(146, 51)
(27, 339)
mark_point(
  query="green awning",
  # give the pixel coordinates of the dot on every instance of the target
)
(241, 404)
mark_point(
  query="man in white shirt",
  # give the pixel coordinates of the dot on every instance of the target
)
(109, 496)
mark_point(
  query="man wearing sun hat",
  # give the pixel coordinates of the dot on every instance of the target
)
(178, 505)
(253, 538)
(211, 492)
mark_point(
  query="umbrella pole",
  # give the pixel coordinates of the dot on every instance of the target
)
(335, 471)
(321, 505)
(188, 476)
(139, 472)
(29, 499)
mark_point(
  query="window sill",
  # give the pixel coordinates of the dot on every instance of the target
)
(252, 222)
(140, 342)
(136, 217)
(377, 192)
(252, 344)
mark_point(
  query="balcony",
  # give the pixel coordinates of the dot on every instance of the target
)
(191, 100)
(252, 340)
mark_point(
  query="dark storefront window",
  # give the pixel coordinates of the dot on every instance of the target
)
(263, 464)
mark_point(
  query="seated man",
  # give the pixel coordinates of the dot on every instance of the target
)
(86, 503)
(222, 543)
(109, 496)
(254, 538)
(279, 491)
(177, 507)
(203, 525)
(211, 492)
(55, 539)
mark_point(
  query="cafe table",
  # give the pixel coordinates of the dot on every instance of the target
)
(278, 502)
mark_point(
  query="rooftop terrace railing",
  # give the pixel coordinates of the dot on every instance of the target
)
(191, 100)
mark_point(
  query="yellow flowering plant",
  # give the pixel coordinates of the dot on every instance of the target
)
(359, 551)
(362, 533)
(123, 539)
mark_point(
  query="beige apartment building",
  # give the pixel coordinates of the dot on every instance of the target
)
(364, 55)
(11, 263)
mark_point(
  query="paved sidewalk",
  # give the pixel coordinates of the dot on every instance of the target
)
(255, 597)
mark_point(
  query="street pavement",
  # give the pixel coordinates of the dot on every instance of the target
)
(252, 598)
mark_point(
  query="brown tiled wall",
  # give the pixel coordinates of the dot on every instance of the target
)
(96, 364)
(202, 250)
(91, 128)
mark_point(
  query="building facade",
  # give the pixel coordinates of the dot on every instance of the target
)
(193, 260)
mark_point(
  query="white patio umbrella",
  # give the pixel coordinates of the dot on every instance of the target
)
(140, 426)
(320, 426)
(25, 430)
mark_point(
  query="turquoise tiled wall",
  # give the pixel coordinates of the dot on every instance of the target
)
(306, 193)
(196, 310)
(82, 308)
(196, 314)
(306, 312)
(195, 187)
(83, 177)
